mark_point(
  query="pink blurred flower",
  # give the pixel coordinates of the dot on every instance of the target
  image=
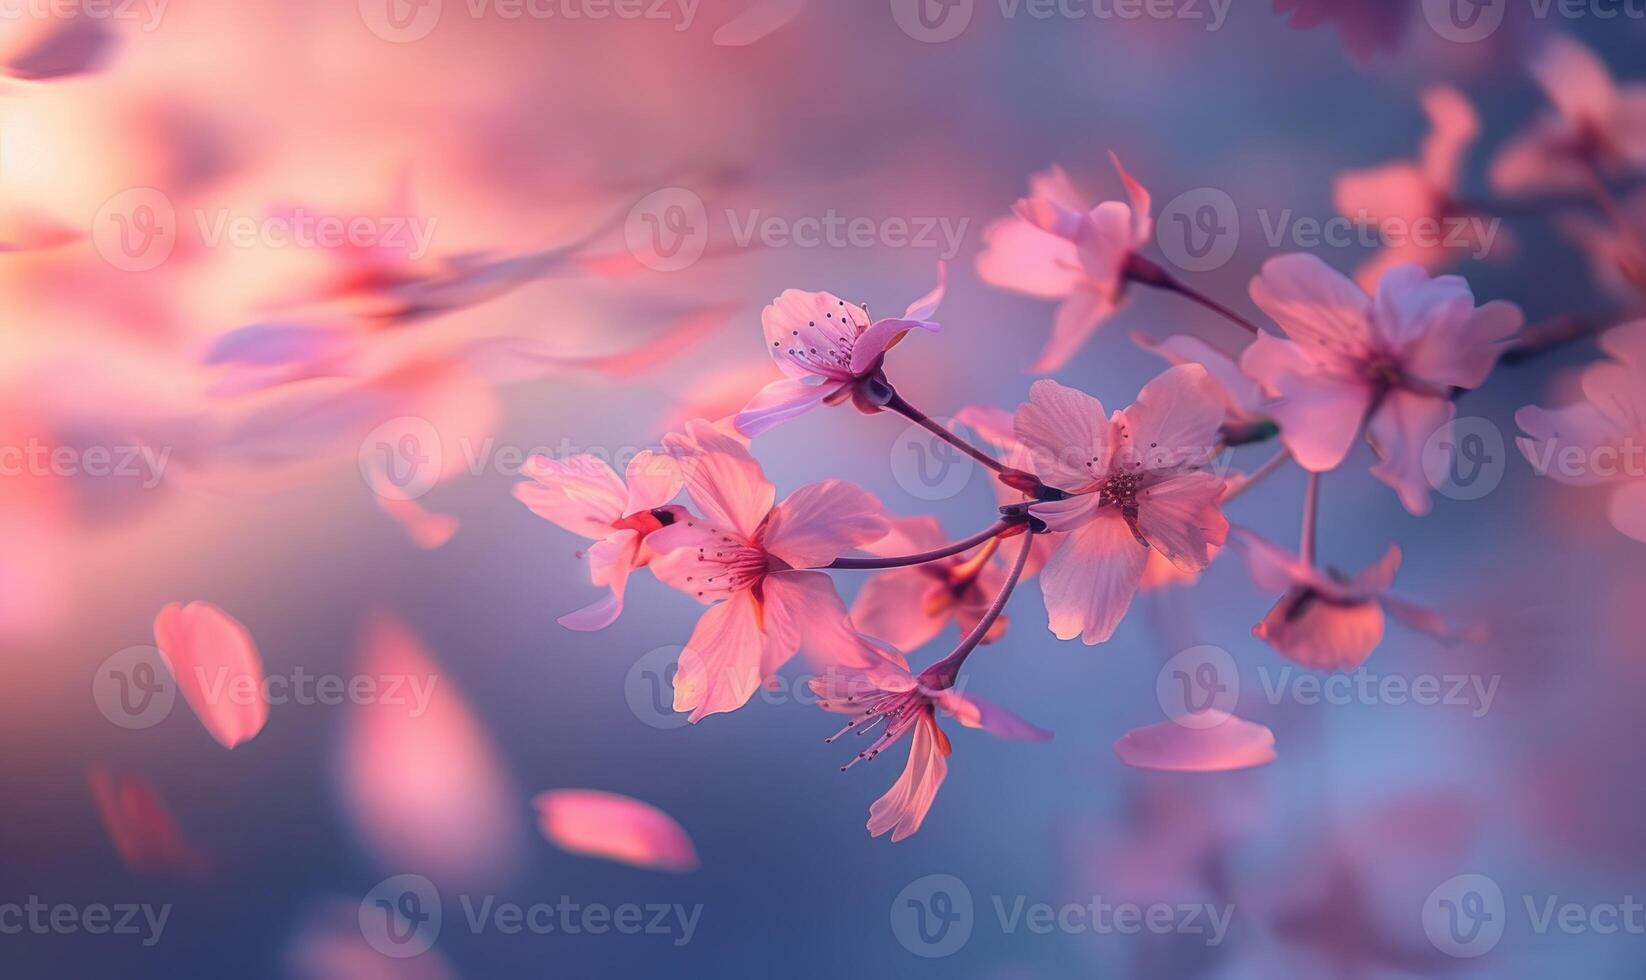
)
(1388, 362)
(1327, 620)
(1600, 440)
(1241, 396)
(583, 495)
(746, 560)
(1134, 482)
(906, 607)
(615, 827)
(1598, 126)
(1058, 246)
(1616, 251)
(144, 832)
(1417, 199)
(887, 692)
(830, 351)
(1366, 26)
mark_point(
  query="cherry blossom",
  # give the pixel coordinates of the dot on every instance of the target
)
(1600, 440)
(1417, 199)
(749, 562)
(1329, 620)
(1597, 125)
(1132, 483)
(906, 607)
(887, 700)
(583, 495)
(830, 351)
(1058, 246)
(1389, 362)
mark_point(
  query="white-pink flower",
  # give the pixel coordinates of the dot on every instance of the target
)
(1597, 126)
(1601, 440)
(829, 350)
(747, 560)
(1388, 362)
(1132, 482)
(885, 693)
(1058, 246)
(586, 497)
(1328, 620)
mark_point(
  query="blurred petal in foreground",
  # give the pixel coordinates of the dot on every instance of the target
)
(615, 827)
(217, 668)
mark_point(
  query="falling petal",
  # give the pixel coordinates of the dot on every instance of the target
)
(217, 668)
(618, 828)
(144, 832)
(1230, 743)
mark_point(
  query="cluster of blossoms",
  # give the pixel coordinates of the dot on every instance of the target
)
(1096, 504)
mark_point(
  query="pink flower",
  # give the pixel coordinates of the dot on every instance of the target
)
(1388, 362)
(1597, 125)
(1327, 620)
(1134, 482)
(906, 607)
(1416, 199)
(746, 560)
(830, 351)
(1600, 440)
(1057, 246)
(585, 496)
(1242, 398)
(886, 692)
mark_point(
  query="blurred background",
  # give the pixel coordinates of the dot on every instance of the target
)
(550, 228)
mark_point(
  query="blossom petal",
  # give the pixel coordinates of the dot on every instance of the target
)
(1318, 412)
(1078, 316)
(724, 481)
(615, 827)
(1089, 581)
(1453, 127)
(1232, 743)
(1627, 509)
(1273, 568)
(1142, 204)
(719, 668)
(1314, 303)
(1182, 520)
(579, 493)
(610, 562)
(1241, 395)
(1020, 257)
(145, 834)
(217, 668)
(904, 807)
(926, 306)
(819, 522)
(813, 334)
(1399, 430)
(653, 479)
(892, 606)
(880, 337)
(1173, 424)
(1322, 633)
(1067, 434)
(803, 611)
(781, 401)
(974, 712)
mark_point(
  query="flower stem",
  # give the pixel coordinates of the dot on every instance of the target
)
(903, 561)
(915, 415)
(1270, 466)
(1311, 512)
(1140, 269)
(953, 661)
